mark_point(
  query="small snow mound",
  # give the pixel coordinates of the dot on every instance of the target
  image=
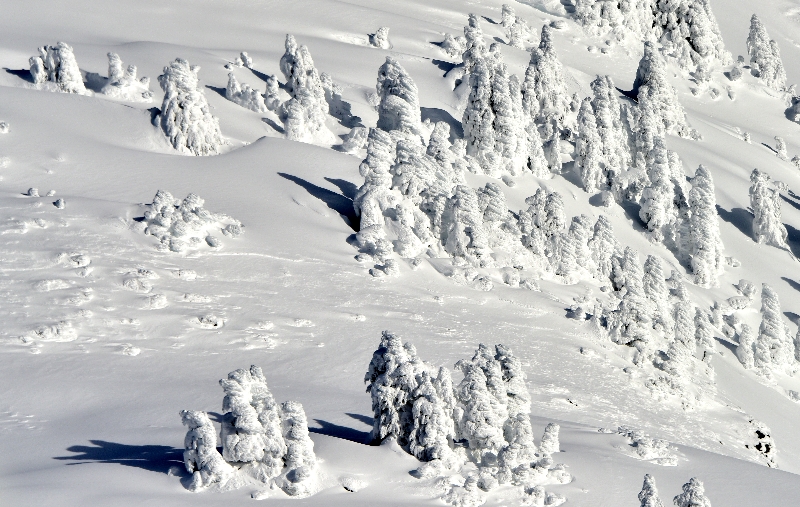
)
(352, 484)
(60, 332)
(654, 450)
(156, 302)
(137, 285)
(302, 323)
(60, 203)
(185, 274)
(33, 192)
(130, 350)
(181, 226)
(210, 322)
(122, 83)
(4, 127)
(48, 285)
(196, 298)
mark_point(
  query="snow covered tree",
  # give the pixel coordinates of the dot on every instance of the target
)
(773, 334)
(707, 261)
(629, 323)
(454, 46)
(245, 96)
(544, 89)
(704, 334)
(765, 58)
(200, 456)
(399, 99)
(381, 38)
(483, 417)
(683, 347)
(299, 459)
(550, 443)
(122, 83)
(657, 292)
(517, 428)
(745, 348)
(478, 118)
(432, 431)
(589, 149)
(251, 425)
(780, 148)
(552, 146)
(462, 226)
(766, 204)
(475, 46)
(654, 92)
(185, 116)
(303, 84)
(57, 65)
(657, 198)
(689, 33)
(604, 247)
(648, 496)
(391, 381)
(693, 495)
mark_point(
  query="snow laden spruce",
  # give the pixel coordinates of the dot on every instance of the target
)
(264, 443)
(55, 68)
(186, 225)
(478, 431)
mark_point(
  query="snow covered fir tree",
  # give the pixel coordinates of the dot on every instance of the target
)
(584, 215)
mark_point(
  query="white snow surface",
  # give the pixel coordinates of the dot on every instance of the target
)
(105, 338)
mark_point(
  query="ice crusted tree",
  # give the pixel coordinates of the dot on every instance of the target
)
(765, 58)
(683, 347)
(589, 149)
(303, 84)
(200, 456)
(648, 496)
(391, 381)
(614, 138)
(689, 33)
(483, 415)
(766, 204)
(654, 92)
(122, 84)
(604, 247)
(517, 429)
(245, 96)
(463, 232)
(544, 86)
(746, 346)
(475, 45)
(629, 323)
(693, 495)
(57, 65)
(478, 118)
(399, 100)
(432, 429)
(657, 198)
(657, 292)
(773, 335)
(707, 261)
(550, 443)
(185, 116)
(299, 460)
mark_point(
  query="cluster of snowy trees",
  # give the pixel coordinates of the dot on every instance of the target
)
(687, 29)
(181, 225)
(485, 419)
(693, 494)
(765, 200)
(122, 83)
(765, 57)
(261, 439)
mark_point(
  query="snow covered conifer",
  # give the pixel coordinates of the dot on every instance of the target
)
(200, 456)
(656, 290)
(657, 198)
(483, 418)
(463, 232)
(744, 350)
(381, 38)
(185, 116)
(517, 428)
(649, 494)
(122, 83)
(765, 58)
(299, 460)
(780, 148)
(707, 261)
(476, 46)
(57, 64)
(432, 423)
(244, 95)
(303, 84)
(773, 334)
(588, 148)
(766, 203)
(545, 79)
(653, 91)
(604, 247)
(689, 33)
(552, 146)
(550, 443)
(693, 495)
(683, 347)
(399, 105)
(478, 118)
(704, 334)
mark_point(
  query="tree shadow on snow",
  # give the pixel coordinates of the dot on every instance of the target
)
(23, 74)
(435, 114)
(95, 82)
(795, 205)
(792, 283)
(154, 458)
(348, 189)
(337, 202)
(343, 432)
(220, 90)
(274, 125)
(770, 148)
(793, 239)
(444, 66)
(740, 218)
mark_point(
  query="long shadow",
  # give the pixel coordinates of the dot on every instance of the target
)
(263, 77)
(154, 112)
(793, 239)
(348, 189)
(795, 205)
(792, 283)
(444, 66)
(793, 317)
(274, 125)
(342, 111)
(631, 210)
(343, 432)
(435, 114)
(154, 458)
(770, 148)
(221, 91)
(23, 74)
(740, 218)
(363, 418)
(337, 202)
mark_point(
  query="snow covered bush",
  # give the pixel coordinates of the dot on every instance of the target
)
(123, 85)
(766, 204)
(380, 39)
(693, 495)
(184, 225)
(185, 115)
(247, 97)
(765, 57)
(454, 46)
(648, 496)
(305, 113)
(200, 456)
(57, 65)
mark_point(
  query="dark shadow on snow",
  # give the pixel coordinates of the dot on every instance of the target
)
(95, 82)
(263, 77)
(154, 458)
(740, 218)
(274, 125)
(795, 205)
(221, 91)
(342, 111)
(343, 432)
(154, 113)
(793, 317)
(793, 239)
(770, 148)
(435, 114)
(23, 74)
(363, 418)
(488, 20)
(631, 210)
(337, 202)
(792, 283)
(348, 189)
(444, 66)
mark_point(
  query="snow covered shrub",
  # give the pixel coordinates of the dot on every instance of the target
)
(648, 496)
(183, 225)
(122, 84)
(707, 261)
(780, 148)
(200, 456)
(185, 115)
(299, 461)
(654, 93)
(549, 443)
(247, 97)
(399, 99)
(693, 495)
(57, 65)
(309, 109)
(454, 46)
(380, 39)
(765, 57)
(766, 204)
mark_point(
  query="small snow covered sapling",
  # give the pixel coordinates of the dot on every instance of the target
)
(780, 148)
(122, 83)
(693, 495)
(200, 456)
(550, 443)
(299, 459)
(454, 46)
(245, 96)
(766, 204)
(380, 39)
(648, 496)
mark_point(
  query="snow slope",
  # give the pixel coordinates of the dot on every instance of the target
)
(101, 383)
